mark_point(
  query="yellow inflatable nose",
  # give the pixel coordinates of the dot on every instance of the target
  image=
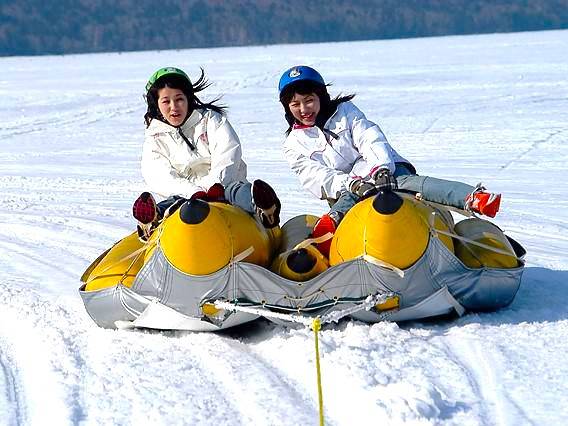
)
(387, 227)
(300, 264)
(202, 238)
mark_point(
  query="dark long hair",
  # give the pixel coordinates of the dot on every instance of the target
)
(176, 81)
(304, 87)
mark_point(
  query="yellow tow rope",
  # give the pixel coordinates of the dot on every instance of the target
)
(316, 326)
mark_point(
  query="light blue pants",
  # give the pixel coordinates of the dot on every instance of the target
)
(240, 194)
(447, 192)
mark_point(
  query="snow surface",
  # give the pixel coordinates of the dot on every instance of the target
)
(491, 108)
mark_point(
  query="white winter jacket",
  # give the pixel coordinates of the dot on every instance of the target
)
(349, 147)
(171, 167)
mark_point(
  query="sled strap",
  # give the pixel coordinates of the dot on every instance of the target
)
(228, 306)
(316, 327)
(476, 243)
(135, 254)
(370, 302)
(318, 240)
(330, 317)
(125, 274)
(242, 255)
(383, 264)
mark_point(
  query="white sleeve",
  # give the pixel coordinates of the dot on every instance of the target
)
(159, 174)
(227, 164)
(322, 181)
(369, 140)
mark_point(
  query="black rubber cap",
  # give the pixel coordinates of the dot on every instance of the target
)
(301, 261)
(387, 202)
(193, 212)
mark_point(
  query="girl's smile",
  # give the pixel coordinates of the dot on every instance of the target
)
(173, 105)
(305, 108)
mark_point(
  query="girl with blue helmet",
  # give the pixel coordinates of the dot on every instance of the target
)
(342, 157)
(191, 151)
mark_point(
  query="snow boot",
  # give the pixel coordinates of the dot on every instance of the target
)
(326, 223)
(482, 202)
(266, 204)
(145, 212)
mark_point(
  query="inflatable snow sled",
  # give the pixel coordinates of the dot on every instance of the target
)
(210, 266)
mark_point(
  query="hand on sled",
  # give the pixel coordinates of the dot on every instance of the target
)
(214, 193)
(384, 180)
(199, 195)
(362, 189)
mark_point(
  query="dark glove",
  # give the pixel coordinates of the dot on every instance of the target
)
(384, 180)
(216, 193)
(362, 189)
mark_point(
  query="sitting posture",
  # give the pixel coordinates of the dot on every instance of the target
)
(342, 157)
(191, 151)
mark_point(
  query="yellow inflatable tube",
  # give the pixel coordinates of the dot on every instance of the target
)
(298, 260)
(201, 238)
(119, 264)
(493, 249)
(389, 227)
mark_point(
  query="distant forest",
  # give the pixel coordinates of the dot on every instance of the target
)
(34, 27)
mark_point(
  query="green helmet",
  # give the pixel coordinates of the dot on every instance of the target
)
(165, 71)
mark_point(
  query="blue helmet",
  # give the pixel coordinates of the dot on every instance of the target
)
(297, 73)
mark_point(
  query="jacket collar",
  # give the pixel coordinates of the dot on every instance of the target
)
(301, 126)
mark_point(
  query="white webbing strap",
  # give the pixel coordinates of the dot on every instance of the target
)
(383, 264)
(434, 231)
(451, 299)
(369, 303)
(242, 255)
(139, 298)
(477, 243)
(130, 256)
(317, 240)
(219, 304)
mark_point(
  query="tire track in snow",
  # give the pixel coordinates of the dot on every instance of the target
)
(12, 408)
(86, 116)
(43, 337)
(29, 245)
(481, 369)
(270, 401)
(21, 258)
(534, 146)
(102, 376)
(182, 378)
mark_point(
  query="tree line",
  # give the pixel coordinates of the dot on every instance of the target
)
(33, 27)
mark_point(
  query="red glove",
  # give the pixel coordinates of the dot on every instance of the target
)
(199, 195)
(216, 193)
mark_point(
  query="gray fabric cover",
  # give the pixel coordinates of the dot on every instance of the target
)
(436, 284)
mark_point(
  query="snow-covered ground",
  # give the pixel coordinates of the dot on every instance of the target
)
(491, 108)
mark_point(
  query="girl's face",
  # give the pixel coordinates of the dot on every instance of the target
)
(305, 108)
(173, 105)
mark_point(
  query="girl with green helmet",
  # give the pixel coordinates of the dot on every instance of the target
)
(192, 151)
